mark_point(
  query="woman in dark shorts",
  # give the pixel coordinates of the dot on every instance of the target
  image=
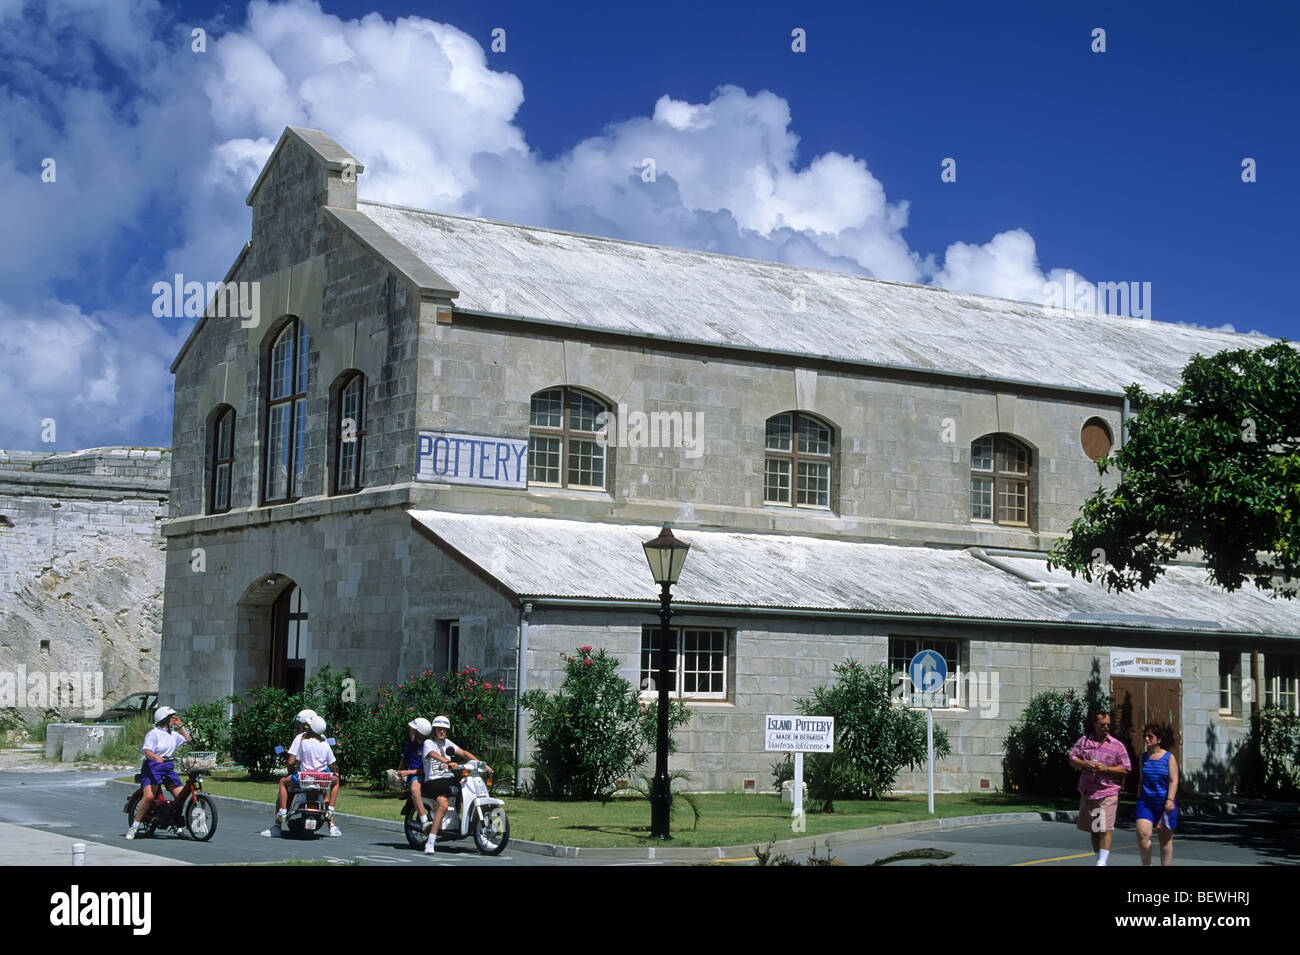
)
(1156, 807)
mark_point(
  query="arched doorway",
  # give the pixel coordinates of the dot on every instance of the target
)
(273, 646)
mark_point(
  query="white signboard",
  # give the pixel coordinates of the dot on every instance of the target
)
(799, 734)
(1146, 663)
(472, 459)
(935, 699)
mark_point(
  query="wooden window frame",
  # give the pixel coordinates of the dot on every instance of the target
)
(295, 399)
(1002, 444)
(567, 434)
(219, 462)
(355, 481)
(795, 457)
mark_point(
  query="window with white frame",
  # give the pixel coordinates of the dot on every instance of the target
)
(903, 649)
(698, 659)
(446, 646)
(1230, 683)
(1282, 682)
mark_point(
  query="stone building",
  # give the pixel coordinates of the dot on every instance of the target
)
(440, 440)
(81, 578)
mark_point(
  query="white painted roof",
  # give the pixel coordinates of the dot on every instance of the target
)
(538, 557)
(705, 297)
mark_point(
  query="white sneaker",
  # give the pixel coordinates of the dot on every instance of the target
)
(429, 846)
(334, 830)
(130, 833)
(271, 832)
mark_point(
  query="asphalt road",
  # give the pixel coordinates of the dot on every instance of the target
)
(86, 807)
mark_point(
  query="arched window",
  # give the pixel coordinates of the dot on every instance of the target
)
(563, 450)
(1000, 475)
(350, 435)
(797, 466)
(222, 445)
(286, 413)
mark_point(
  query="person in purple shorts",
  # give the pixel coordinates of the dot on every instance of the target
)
(1156, 806)
(1103, 761)
(412, 764)
(158, 770)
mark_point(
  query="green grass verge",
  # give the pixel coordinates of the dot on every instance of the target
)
(726, 819)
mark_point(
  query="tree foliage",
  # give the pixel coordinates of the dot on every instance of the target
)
(1212, 467)
(874, 738)
(594, 731)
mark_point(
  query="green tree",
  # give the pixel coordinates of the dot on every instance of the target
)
(1214, 467)
(874, 738)
(594, 731)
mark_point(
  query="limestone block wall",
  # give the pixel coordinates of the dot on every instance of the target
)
(374, 592)
(774, 662)
(901, 467)
(81, 572)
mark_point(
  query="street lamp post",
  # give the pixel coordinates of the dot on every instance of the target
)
(666, 555)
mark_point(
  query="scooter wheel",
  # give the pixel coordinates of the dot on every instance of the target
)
(492, 832)
(146, 827)
(201, 818)
(415, 835)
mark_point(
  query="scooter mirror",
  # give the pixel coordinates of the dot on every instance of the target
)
(279, 750)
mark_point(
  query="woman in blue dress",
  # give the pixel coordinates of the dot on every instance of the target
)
(1156, 807)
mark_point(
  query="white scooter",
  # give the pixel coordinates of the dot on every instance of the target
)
(308, 803)
(475, 814)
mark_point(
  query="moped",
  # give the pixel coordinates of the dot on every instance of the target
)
(476, 813)
(193, 811)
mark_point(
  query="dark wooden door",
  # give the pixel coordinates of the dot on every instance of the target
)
(1137, 701)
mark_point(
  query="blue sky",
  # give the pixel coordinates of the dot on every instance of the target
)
(1123, 165)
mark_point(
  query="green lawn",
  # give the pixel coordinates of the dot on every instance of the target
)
(725, 818)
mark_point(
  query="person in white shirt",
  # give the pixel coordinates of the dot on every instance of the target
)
(440, 756)
(158, 769)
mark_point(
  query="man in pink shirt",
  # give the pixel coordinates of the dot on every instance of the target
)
(1104, 763)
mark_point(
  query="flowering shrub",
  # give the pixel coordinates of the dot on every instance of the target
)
(594, 731)
(263, 720)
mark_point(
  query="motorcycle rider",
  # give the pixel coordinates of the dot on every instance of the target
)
(412, 763)
(158, 769)
(440, 783)
(303, 718)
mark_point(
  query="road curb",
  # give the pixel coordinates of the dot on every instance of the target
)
(802, 844)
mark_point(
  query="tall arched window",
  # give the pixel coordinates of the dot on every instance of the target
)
(562, 447)
(286, 413)
(1000, 480)
(222, 444)
(797, 465)
(350, 435)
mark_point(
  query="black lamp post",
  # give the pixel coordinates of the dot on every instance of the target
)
(666, 555)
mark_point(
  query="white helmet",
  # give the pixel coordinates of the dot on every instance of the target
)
(421, 726)
(442, 723)
(304, 716)
(162, 713)
(317, 724)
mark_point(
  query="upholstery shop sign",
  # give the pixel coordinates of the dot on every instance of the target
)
(1146, 663)
(472, 459)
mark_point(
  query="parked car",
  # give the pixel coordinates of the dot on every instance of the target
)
(133, 705)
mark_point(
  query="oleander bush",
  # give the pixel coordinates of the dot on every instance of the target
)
(1038, 744)
(594, 731)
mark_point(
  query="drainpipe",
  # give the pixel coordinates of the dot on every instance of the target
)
(521, 684)
(1123, 424)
